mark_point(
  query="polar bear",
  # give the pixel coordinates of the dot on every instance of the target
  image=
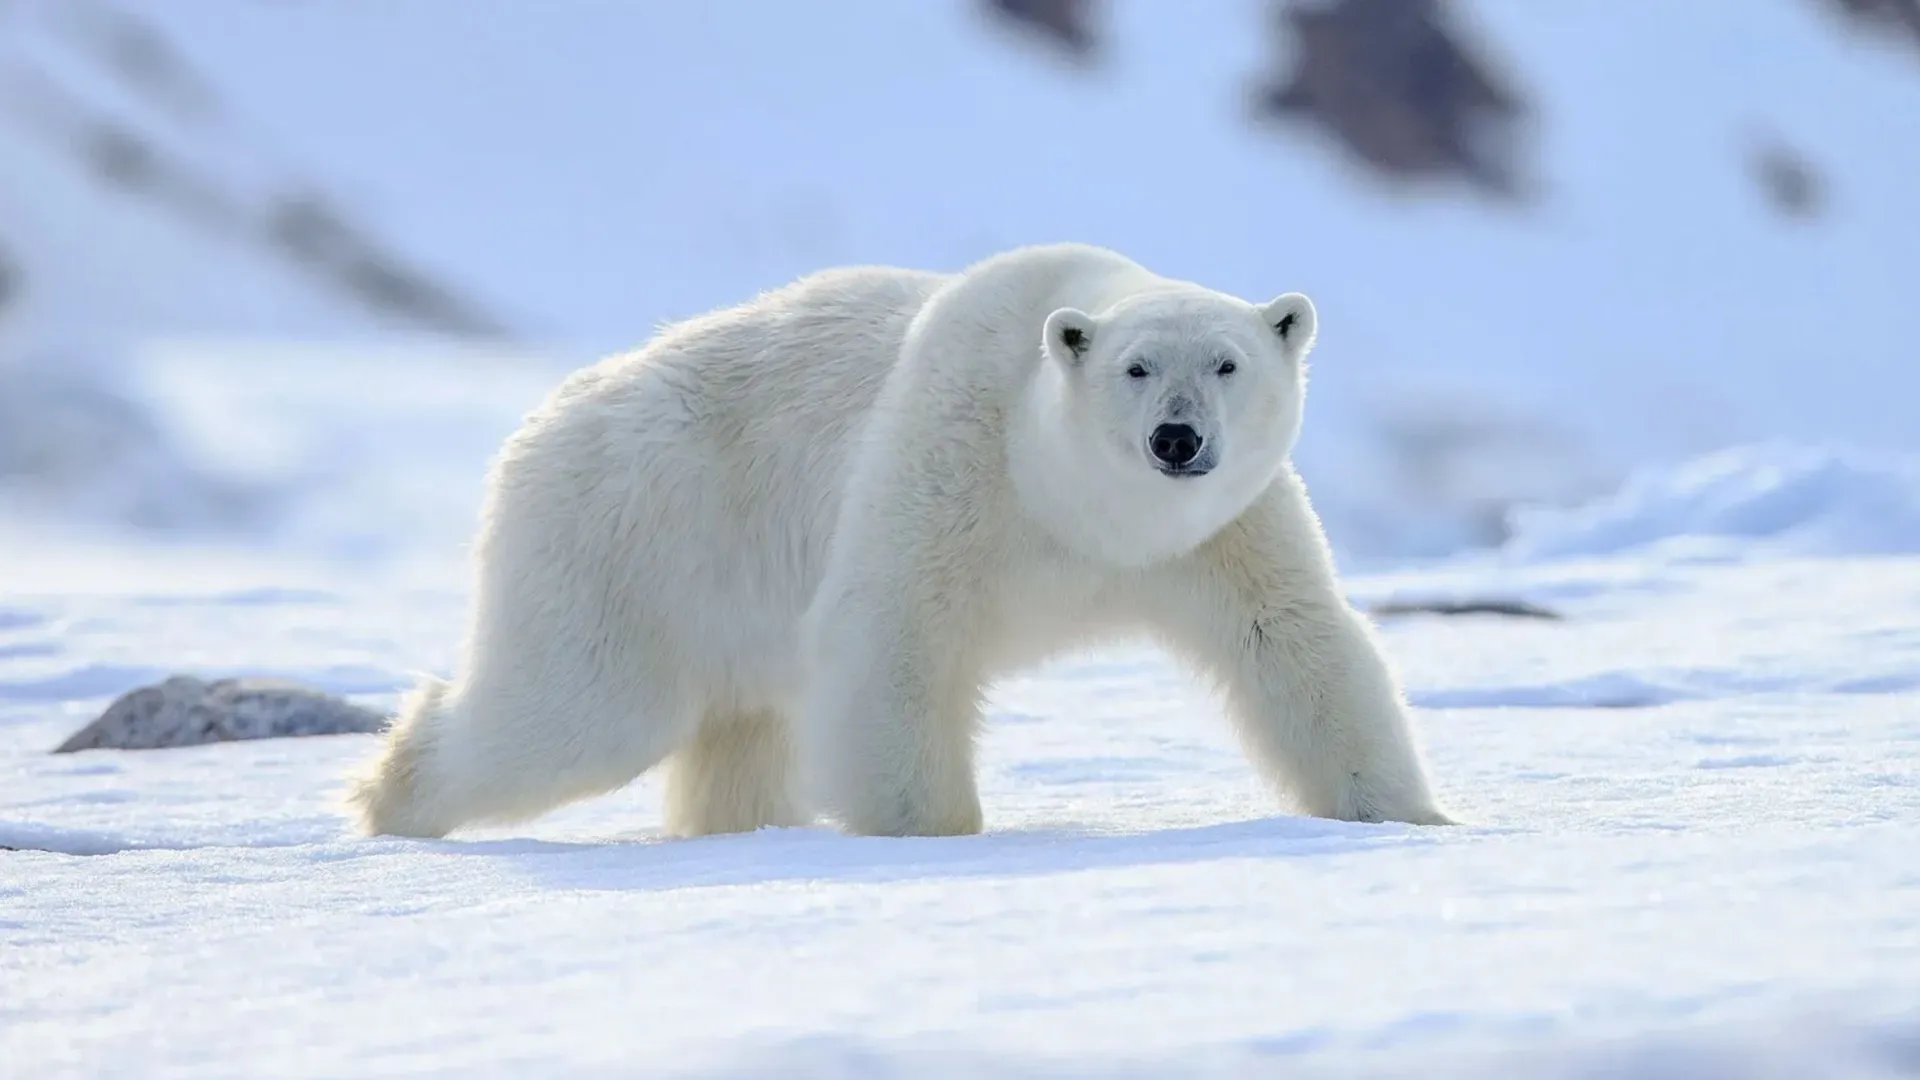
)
(784, 547)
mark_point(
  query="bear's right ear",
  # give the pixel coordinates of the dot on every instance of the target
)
(1068, 334)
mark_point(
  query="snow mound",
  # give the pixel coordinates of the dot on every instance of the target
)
(1780, 498)
(78, 448)
(261, 446)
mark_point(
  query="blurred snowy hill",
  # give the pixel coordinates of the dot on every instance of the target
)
(362, 179)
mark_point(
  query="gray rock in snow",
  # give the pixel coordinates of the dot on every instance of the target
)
(186, 711)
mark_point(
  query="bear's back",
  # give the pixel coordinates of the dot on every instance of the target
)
(712, 461)
(806, 360)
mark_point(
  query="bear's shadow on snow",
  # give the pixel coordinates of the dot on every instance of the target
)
(773, 856)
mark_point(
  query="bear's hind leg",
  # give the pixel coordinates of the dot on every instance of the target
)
(391, 796)
(735, 775)
(497, 750)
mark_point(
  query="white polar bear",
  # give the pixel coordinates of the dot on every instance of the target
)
(785, 546)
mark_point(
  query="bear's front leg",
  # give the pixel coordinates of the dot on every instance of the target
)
(891, 713)
(1310, 692)
(1320, 711)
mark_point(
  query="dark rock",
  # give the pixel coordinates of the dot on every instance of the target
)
(1788, 179)
(1517, 609)
(186, 711)
(1395, 83)
(11, 280)
(1067, 25)
(1898, 19)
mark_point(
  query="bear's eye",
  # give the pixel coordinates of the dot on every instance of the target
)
(1137, 371)
(1227, 367)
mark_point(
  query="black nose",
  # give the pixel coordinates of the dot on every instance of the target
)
(1175, 444)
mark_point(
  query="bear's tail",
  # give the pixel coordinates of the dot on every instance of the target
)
(396, 795)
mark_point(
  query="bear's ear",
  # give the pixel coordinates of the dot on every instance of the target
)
(1068, 335)
(1291, 316)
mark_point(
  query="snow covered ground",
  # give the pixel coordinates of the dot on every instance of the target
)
(1693, 805)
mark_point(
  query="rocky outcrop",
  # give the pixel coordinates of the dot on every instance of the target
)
(186, 711)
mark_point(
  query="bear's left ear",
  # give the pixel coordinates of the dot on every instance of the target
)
(1068, 335)
(1291, 316)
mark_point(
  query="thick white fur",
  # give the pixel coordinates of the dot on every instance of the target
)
(797, 538)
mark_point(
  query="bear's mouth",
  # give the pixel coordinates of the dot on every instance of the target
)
(1185, 472)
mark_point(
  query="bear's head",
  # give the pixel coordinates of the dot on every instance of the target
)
(1189, 383)
(1181, 402)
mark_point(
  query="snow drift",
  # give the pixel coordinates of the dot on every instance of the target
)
(1771, 497)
